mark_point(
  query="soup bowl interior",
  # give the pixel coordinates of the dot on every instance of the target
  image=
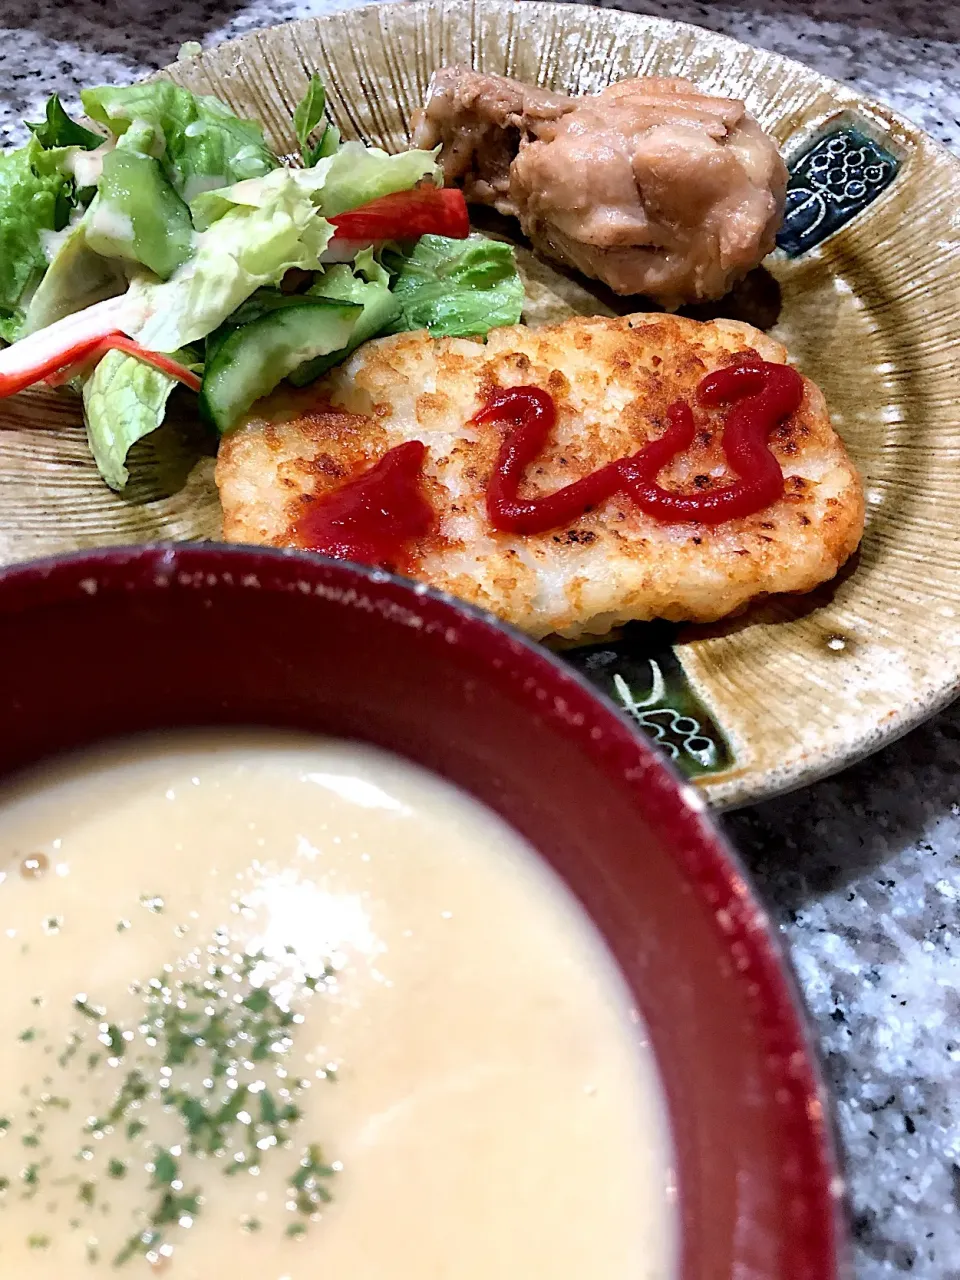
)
(119, 642)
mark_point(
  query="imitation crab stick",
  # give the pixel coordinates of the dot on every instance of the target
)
(63, 343)
(57, 351)
(120, 342)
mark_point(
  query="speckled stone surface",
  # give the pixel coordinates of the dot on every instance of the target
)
(864, 870)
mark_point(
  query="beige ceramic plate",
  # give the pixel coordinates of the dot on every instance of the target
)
(868, 306)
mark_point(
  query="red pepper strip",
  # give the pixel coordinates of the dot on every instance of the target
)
(373, 517)
(771, 393)
(120, 342)
(533, 414)
(407, 215)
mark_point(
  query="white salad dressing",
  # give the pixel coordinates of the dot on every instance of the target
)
(284, 1007)
(110, 222)
(87, 166)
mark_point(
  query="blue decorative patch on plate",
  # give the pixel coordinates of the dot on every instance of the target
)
(643, 676)
(830, 183)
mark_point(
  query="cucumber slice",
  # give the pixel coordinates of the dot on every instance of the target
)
(381, 309)
(259, 304)
(139, 216)
(251, 360)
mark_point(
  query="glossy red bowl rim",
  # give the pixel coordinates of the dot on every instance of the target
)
(551, 690)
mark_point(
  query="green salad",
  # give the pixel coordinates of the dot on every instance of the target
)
(170, 245)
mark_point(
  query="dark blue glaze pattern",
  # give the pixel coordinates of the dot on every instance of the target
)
(830, 183)
(641, 673)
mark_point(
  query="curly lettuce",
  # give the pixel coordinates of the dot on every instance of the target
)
(352, 176)
(456, 288)
(123, 401)
(245, 249)
(35, 202)
(199, 142)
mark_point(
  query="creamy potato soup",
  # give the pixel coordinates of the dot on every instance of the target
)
(275, 1007)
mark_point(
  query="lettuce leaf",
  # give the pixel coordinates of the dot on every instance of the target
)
(254, 193)
(308, 115)
(199, 142)
(245, 249)
(309, 112)
(58, 130)
(135, 218)
(136, 213)
(328, 144)
(352, 176)
(35, 201)
(123, 401)
(76, 278)
(359, 174)
(456, 288)
(248, 248)
(366, 282)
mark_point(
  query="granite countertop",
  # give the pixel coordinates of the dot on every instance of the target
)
(863, 870)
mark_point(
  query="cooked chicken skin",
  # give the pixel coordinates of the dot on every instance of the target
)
(612, 380)
(650, 186)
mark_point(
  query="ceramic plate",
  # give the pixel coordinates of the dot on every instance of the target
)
(863, 290)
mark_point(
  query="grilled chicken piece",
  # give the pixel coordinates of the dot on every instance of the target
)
(650, 186)
(612, 380)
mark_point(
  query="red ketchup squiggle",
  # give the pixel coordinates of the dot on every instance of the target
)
(762, 396)
(534, 414)
(373, 518)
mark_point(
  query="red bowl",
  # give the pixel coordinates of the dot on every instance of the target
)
(120, 641)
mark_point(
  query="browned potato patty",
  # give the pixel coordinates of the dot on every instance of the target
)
(612, 380)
